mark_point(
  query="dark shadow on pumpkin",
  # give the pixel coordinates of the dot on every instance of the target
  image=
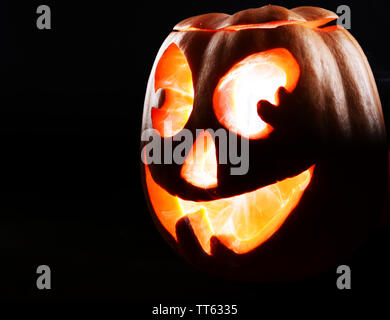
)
(334, 218)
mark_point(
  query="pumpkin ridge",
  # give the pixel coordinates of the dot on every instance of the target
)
(263, 15)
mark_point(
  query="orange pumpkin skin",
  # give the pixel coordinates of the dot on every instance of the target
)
(332, 120)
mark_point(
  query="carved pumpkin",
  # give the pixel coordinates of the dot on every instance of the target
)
(302, 94)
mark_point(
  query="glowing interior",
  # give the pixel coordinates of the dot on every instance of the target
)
(245, 221)
(242, 222)
(200, 165)
(314, 24)
(255, 78)
(173, 74)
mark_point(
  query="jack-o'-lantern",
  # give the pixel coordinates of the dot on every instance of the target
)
(299, 91)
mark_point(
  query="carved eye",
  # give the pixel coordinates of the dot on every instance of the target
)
(173, 76)
(257, 77)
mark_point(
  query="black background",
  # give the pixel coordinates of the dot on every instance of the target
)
(71, 102)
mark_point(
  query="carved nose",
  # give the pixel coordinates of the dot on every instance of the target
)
(200, 166)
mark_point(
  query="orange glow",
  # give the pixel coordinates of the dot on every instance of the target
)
(166, 206)
(200, 166)
(315, 24)
(173, 74)
(257, 77)
(242, 222)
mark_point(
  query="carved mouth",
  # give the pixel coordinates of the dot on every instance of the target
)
(242, 222)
